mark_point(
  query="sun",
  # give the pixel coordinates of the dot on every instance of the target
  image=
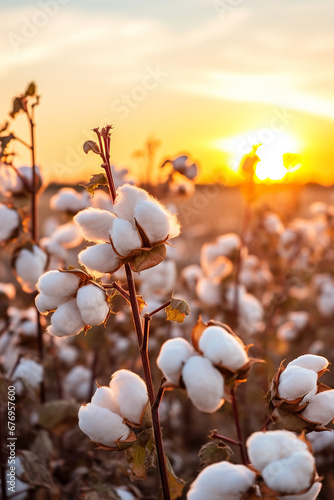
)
(273, 146)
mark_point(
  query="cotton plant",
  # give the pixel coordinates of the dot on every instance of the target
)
(65, 237)
(136, 233)
(77, 382)
(215, 361)
(298, 399)
(76, 301)
(10, 223)
(68, 200)
(29, 262)
(27, 374)
(250, 309)
(285, 465)
(115, 411)
(16, 181)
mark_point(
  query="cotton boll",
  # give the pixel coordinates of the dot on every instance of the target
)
(29, 266)
(99, 258)
(300, 319)
(154, 219)
(67, 319)
(127, 198)
(266, 447)
(172, 357)
(102, 425)
(68, 235)
(92, 304)
(46, 303)
(67, 354)
(209, 292)
(58, 284)
(124, 494)
(9, 222)
(321, 408)
(311, 494)
(102, 201)
(292, 474)
(160, 280)
(69, 200)
(29, 372)
(273, 224)
(77, 382)
(251, 313)
(95, 224)
(229, 295)
(222, 480)
(222, 348)
(131, 394)
(295, 382)
(54, 249)
(321, 441)
(190, 275)
(106, 398)
(287, 331)
(311, 362)
(204, 384)
(125, 237)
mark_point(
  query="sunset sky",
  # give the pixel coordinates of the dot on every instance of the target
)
(207, 77)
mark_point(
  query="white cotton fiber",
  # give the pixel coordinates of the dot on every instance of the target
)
(125, 237)
(266, 447)
(77, 382)
(209, 292)
(99, 258)
(311, 362)
(222, 348)
(58, 284)
(321, 408)
(28, 371)
(154, 219)
(67, 319)
(295, 382)
(311, 494)
(106, 398)
(95, 224)
(172, 357)
(46, 303)
(102, 425)
(127, 198)
(190, 275)
(130, 393)
(29, 266)
(292, 474)
(204, 384)
(222, 480)
(69, 200)
(92, 304)
(9, 222)
(68, 235)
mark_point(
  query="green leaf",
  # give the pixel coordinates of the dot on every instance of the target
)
(176, 484)
(95, 181)
(211, 453)
(91, 146)
(31, 90)
(148, 259)
(177, 310)
(59, 415)
(35, 471)
(17, 106)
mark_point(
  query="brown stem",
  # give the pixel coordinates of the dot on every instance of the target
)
(94, 371)
(2, 459)
(238, 428)
(24, 181)
(148, 379)
(158, 309)
(40, 353)
(215, 435)
(118, 287)
(22, 142)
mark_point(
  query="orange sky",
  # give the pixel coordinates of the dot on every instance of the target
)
(204, 77)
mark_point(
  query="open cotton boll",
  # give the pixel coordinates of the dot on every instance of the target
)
(53, 248)
(9, 222)
(68, 235)
(292, 474)
(266, 447)
(124, 494)
(102, 425)
(46, 303)
(160, 280)
(154, 219)
(300, 319)
(28, 372)
(67, 319)
(92, 304)
(311, 362)
(172, 357)
(125, 237)
(222, 480)
(106, 398)
(130, 393)
(272, 223)
(321, 408)
(58, 284)
(296, 382)
(287, 331)
(127, 198)
(29, 266)
(190, 275)
(222, 348)
(229, 295)
(69, 200)
(311, 494)
(78, 381)
(95, 224)
(204, 384)
(99, 258)
(209, 292)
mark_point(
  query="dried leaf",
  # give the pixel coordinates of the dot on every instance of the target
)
(5, 140)
(177, 310)
(148, 259)
(91, 146)
(136, 457)
(176, 484)
(212, 452)
(35, 471)
(17, 107)
(59, 415)
(95, 181)
(141, 303)
(31, 90)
